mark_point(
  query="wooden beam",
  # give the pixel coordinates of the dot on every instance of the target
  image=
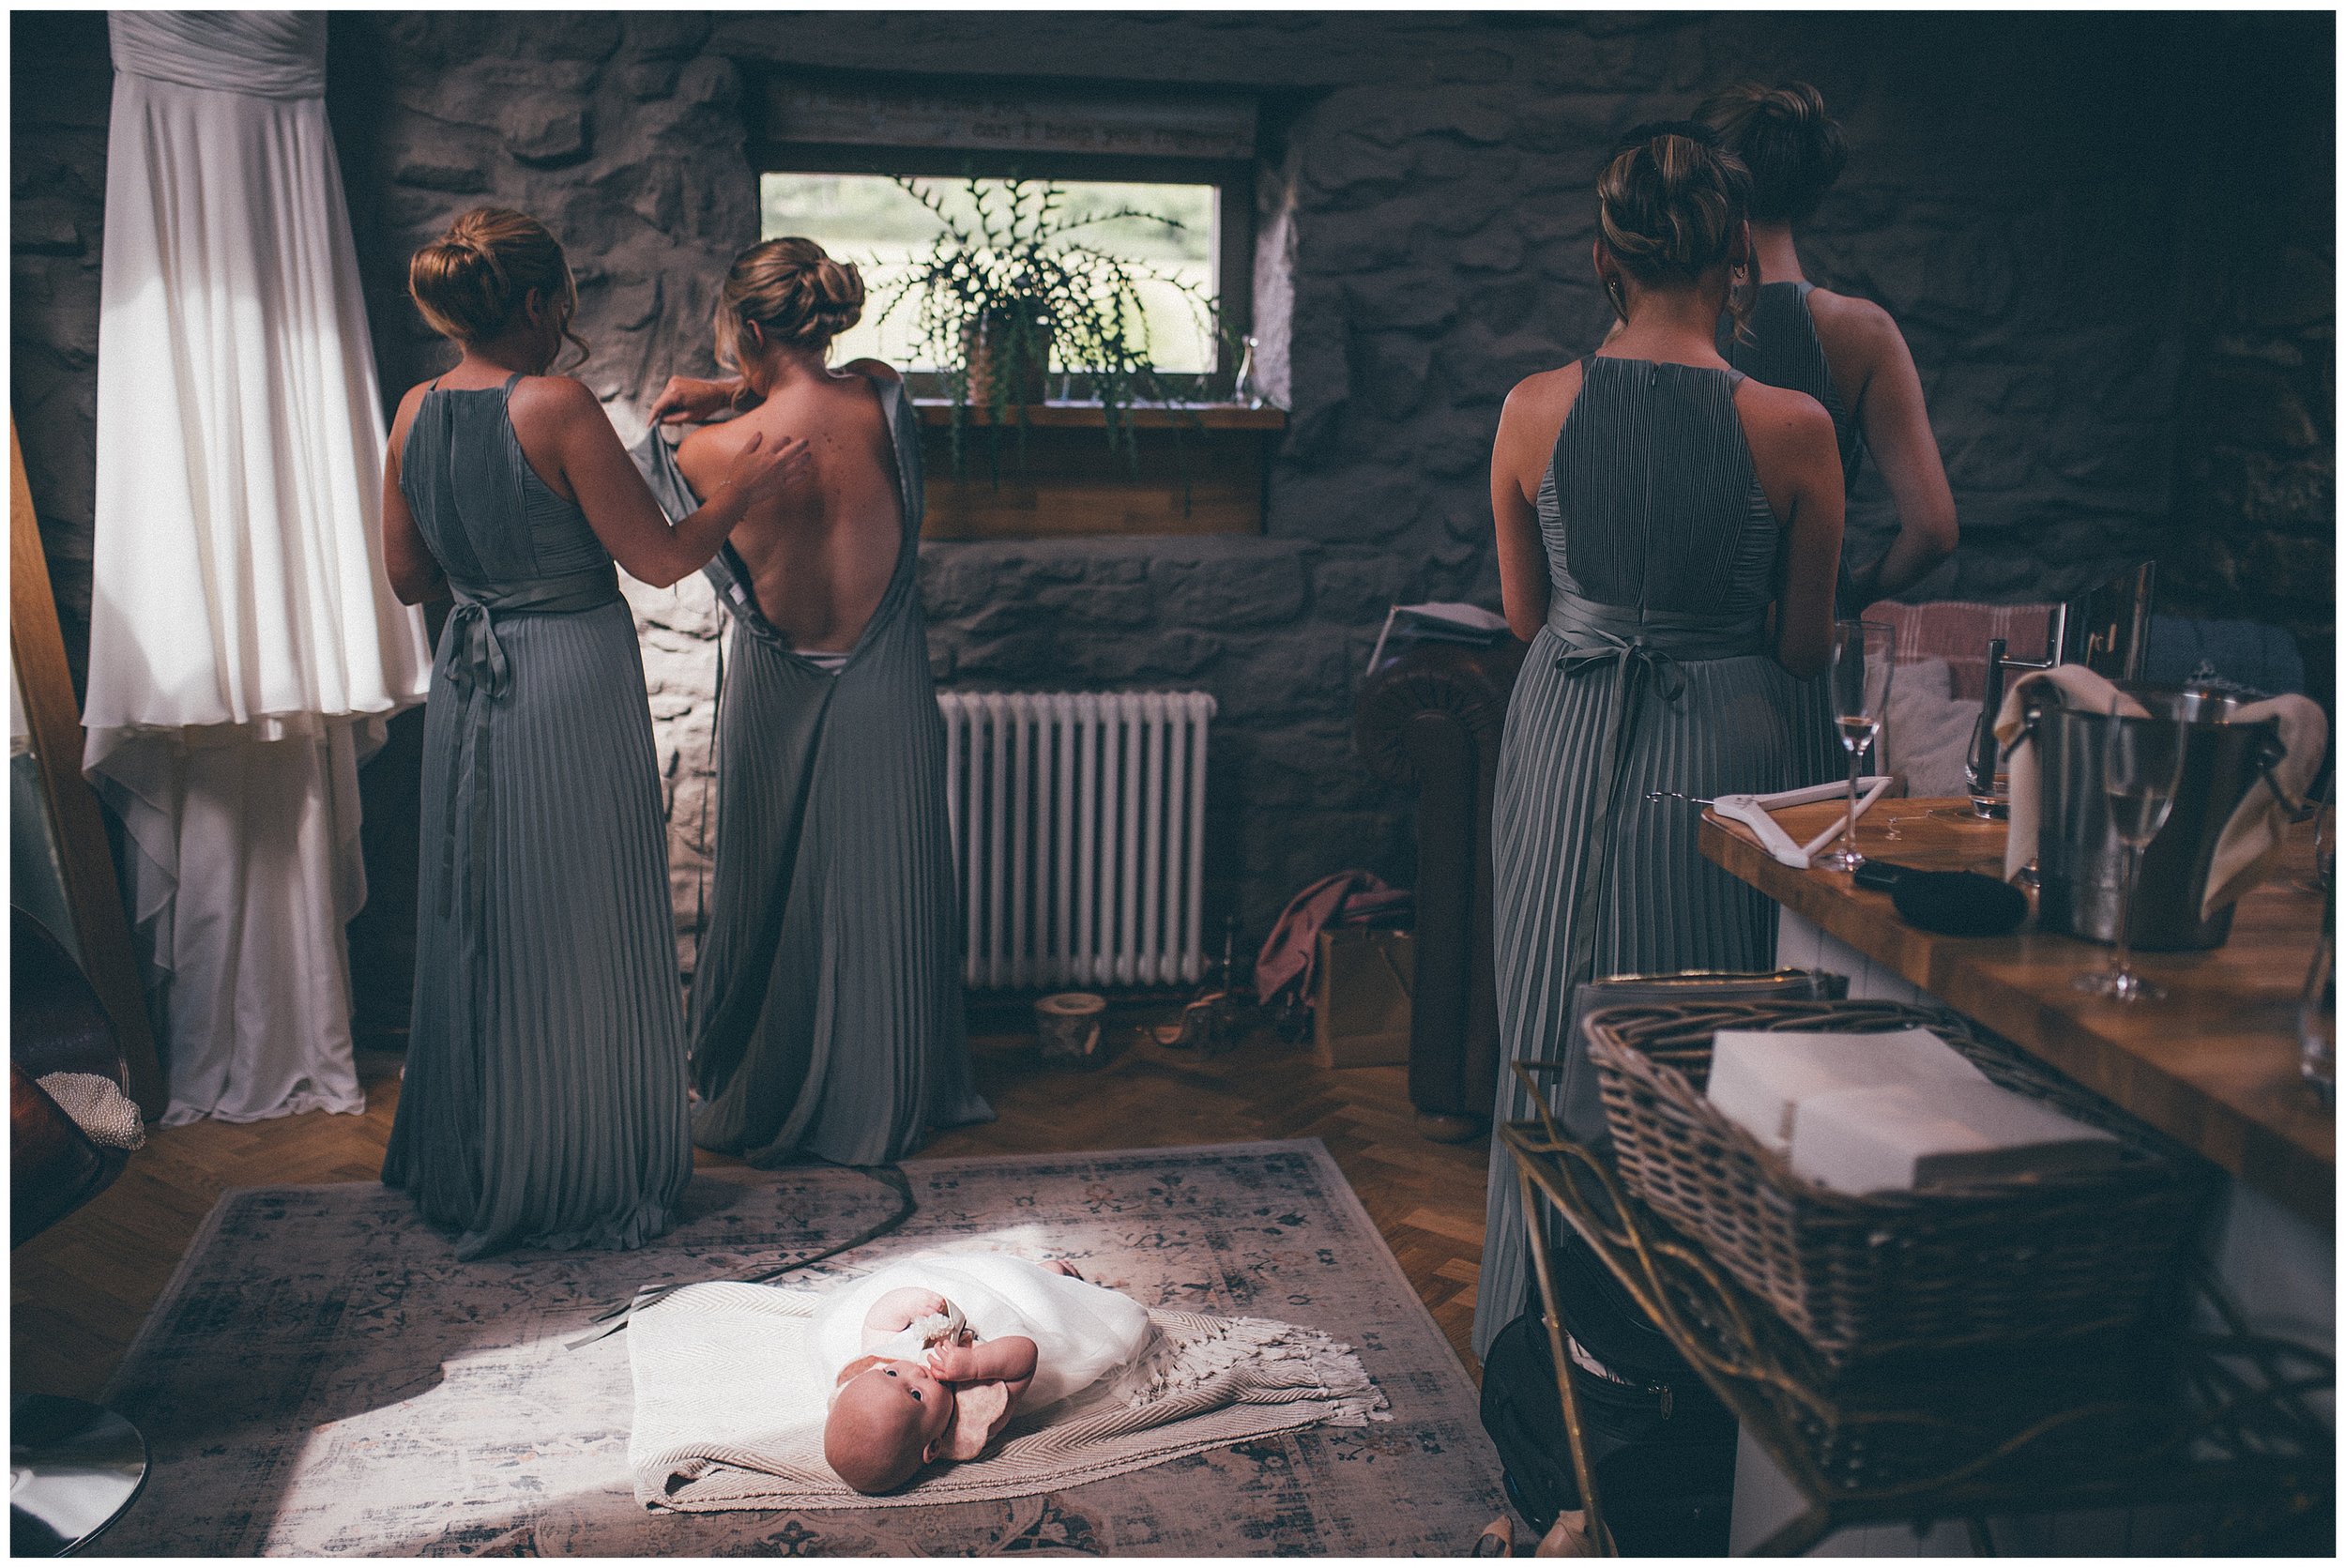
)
(101, 929)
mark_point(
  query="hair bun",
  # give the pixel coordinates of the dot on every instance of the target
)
(471, 280)
(1669, 207)
(1792, 147)
(790, 289)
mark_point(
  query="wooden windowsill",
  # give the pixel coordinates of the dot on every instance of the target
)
(1091, 415)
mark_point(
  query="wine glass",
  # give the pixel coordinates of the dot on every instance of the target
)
(2141, 764)
(2317, 879)
(1863, 655)
(2317, 1014)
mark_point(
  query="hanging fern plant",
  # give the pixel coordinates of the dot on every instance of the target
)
(1012, 286)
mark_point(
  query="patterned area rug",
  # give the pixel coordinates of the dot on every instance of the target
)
(322, 1378)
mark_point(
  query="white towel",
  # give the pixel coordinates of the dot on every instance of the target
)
(2252, 837)
(730, 1401)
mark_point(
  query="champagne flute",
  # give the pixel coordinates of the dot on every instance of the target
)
(2141, 764)
(1863, 655)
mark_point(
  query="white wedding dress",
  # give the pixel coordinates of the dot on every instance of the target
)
(245, 648)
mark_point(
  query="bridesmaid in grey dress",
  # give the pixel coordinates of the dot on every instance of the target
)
(1651, 502)
(543, 1101)
(827, 1005)
(1845, 352)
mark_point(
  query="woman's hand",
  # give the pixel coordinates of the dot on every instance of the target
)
(687, 401)
(762, 470)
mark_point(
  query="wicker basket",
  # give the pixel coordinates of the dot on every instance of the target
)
(1893, 1273)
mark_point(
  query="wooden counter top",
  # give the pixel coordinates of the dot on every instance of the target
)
(2213, 1066)
(1091, 415)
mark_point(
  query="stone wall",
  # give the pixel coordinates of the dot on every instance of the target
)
(2039, 201)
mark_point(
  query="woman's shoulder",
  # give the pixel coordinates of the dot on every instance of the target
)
(1539, 402)
(1850, 327)
(1781, 419)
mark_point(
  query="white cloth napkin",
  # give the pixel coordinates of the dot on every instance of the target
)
(2252, 837)
(2081, 688)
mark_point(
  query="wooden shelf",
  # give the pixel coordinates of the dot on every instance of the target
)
(2213, 1066)
(1060, 478)
(1091, 415)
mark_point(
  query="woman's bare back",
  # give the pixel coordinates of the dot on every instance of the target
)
(820, 556)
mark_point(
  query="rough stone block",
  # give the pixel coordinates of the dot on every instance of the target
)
(666, 35)
(546, 137)
(1241, 591)
(1356, 586)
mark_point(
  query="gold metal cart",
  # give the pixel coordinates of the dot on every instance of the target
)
(2219, 1418)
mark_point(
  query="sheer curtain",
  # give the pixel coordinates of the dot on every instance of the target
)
(245, 648)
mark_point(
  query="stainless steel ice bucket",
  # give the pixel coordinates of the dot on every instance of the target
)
(2080, 861)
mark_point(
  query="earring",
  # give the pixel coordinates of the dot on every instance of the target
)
(1612, 292)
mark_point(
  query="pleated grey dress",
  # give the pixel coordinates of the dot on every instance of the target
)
(826, 1018)
(1784, 351)
(1653, 673)
(543, 1101)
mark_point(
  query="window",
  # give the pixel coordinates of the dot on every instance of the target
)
(829, 149)
(871, 220)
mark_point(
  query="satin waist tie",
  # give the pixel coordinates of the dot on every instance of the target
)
(473, 661)
(1639, 651)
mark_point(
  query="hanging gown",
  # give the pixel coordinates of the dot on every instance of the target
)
(826, 1015)
(544, 1102)
(245, 648)
(1783, 352)
(1653, 673)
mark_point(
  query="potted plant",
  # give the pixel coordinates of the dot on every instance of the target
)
(1012, 284)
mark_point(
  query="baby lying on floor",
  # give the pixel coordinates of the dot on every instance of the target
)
(930, 1356)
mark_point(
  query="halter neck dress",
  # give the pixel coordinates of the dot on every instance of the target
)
(1653, 673)
(1784, 351)
(826, 1015)
(543, 1101)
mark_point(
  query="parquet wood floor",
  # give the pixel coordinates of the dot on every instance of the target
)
(79, 1290)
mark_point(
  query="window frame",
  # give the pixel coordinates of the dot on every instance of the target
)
(1234, 215)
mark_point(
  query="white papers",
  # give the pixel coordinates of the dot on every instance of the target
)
(1443, 621)
(1758, 1080)
(1904, 1137)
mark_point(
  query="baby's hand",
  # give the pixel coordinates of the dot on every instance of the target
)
(956, 1363)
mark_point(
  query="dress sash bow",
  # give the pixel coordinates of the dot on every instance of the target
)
(1643, 650)
(474, 663)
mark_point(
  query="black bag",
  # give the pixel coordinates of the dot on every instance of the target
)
(1662, 1445)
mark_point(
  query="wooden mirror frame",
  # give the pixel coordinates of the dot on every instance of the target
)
(77, 828)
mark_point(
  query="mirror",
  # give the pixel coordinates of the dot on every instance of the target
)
(63, 869)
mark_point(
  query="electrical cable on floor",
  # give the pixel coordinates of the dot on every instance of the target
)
(613, 1319)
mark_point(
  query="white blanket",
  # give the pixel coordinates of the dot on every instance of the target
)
(730, 1400)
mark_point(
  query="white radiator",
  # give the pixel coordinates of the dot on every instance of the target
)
(1078, 821)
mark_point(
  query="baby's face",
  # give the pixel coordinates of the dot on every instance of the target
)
(910, 1394)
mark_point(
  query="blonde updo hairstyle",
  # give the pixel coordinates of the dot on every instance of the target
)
(792, 291)
(1792, 147)
(1669, 210)
(472, 282)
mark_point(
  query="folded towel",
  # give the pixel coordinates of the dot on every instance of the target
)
(2252, 837)
(729, 1406)
(1909, 1137)
(2081, 688)
(1761, 1078)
